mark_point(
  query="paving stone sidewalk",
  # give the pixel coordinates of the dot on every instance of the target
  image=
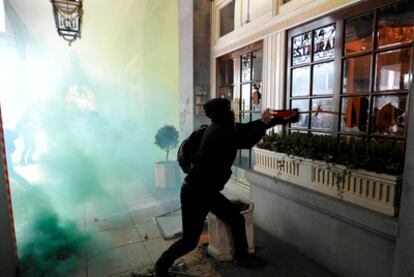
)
(133, 243)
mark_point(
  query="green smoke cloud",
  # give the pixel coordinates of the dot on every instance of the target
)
(85, 119)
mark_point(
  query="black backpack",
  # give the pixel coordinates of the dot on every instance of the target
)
(189, 147)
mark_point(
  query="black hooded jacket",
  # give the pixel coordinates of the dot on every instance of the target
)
(212, 165)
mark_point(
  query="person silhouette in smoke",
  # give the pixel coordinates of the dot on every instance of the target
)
(9, 137)
(26, 129)
(211, 170)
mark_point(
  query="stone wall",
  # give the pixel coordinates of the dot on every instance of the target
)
(346, 239)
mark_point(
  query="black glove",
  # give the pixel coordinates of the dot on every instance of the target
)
(294, 118)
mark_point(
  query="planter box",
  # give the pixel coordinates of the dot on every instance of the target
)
(167, 174)
(367, 189)
(220, 239)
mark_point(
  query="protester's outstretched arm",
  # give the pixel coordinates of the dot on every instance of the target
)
(248, 134)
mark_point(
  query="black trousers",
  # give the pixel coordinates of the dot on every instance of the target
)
(195, 205)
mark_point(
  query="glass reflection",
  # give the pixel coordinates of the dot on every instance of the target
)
(358, 34)
(222, 74)
(323, 119)
(302, 105)
(245, 67)
(227, 18)
(245, 103)
(300, 81)
(245, 158)
(354, 115)
(357, 74)
(324, 43)
(301, 49)
(396, 24)
(257, 65)
(323, 78)
(393, 68)
(389, 115)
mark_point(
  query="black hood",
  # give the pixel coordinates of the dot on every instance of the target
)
(218, 109)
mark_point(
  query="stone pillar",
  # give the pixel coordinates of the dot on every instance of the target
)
(194, 29)
(185, 13)
(201, 46)
(404, 253)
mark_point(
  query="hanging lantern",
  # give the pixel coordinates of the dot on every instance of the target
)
(68, 18)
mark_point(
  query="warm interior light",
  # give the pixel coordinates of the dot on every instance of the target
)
(2, 17)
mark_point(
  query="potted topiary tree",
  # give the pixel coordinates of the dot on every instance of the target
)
(167, 173)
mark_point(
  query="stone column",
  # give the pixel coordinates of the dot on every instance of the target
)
(404, 253)
(185, 13)
(194, 29)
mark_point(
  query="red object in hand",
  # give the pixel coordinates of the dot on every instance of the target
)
(283, 113)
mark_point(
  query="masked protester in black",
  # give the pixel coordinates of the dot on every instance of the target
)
(211, 170)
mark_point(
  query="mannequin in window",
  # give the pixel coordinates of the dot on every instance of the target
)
(256, 97)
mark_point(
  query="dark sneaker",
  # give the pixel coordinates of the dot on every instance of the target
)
(161, 272)
(250, 261)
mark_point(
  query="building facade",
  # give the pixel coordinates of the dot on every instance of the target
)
(352, 60)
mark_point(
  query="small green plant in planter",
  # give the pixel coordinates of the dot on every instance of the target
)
(167, 173)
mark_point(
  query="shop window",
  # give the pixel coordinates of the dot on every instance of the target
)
(359, 88)
(354, 116)
(359, 34)
(241, 73)
(312, 77)
(393, 69)
(396, 24)
(356, 74)
(227, 18)
(389, 114)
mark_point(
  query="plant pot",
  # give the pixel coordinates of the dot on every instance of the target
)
(167, 174)
(221, 244)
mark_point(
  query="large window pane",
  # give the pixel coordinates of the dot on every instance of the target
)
(354, 115)
(230, 71)
(324, 118)
(300, 81)
(301, 49)
(227, 18)
(393, 69)
(222, 74)
(323, 78)
(303, 106)
(257, 65)
(324, 43)
(396, 24)
(245, 103)
(358, 34)
(389, 116)
(245, 158)
(356, 74)
(246, 67)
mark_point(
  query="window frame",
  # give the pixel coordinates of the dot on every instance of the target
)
(339, 19)
(237, 79)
